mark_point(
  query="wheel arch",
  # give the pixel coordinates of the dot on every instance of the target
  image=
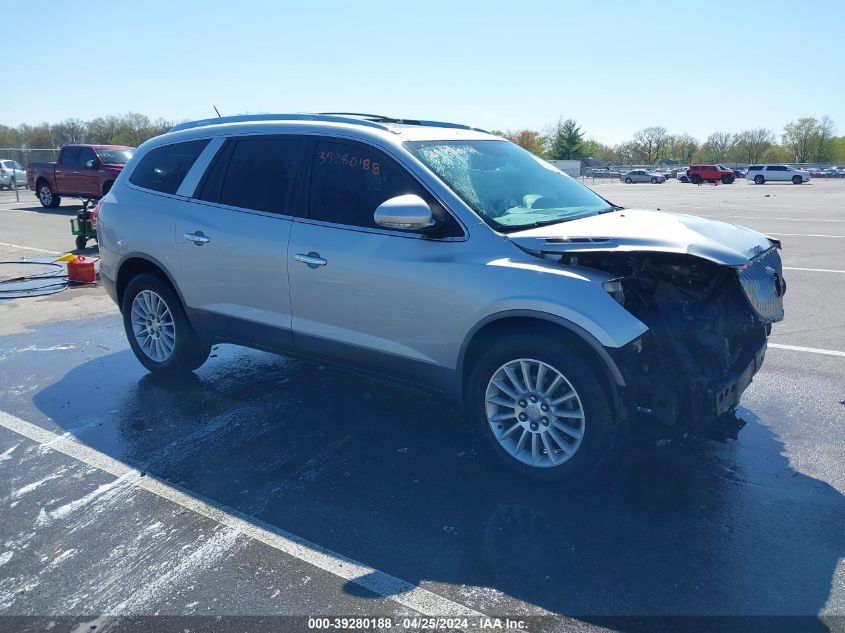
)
(136, 264)
(528, 320)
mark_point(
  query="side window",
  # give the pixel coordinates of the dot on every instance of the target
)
(259, 174)
(163, 168)
(348, 183)
(85, 154)
(777, 168)
(755, 168)
(70, 157)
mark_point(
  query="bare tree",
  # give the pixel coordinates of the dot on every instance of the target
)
(825, 134)
(652, 144)
(752, 145)
(626, 152)
(800, 136)
(68, 132)
(718, 146)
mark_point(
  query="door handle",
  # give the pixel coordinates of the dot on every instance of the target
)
(197, 238)
(312, 259)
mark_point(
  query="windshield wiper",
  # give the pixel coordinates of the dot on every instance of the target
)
(611, 209)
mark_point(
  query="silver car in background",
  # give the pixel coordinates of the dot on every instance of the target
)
(445, 257)
(642, 175)
(12, 174)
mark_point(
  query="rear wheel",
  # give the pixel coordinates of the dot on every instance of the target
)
(695, 179)
(46, 196)
(12, 185)
(796, 180)
(759, 180)
(726, 180)
(541, 408)
(81, 241)
(158, 330)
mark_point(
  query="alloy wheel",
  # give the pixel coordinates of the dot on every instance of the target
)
(152, 326)
(534, 413)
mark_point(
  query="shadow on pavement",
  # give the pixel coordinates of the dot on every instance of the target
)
(395, 479)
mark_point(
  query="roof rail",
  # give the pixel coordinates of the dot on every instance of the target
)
(379, 118)
(241, 118)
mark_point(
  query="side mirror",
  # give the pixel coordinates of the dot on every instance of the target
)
(405, 213)
(91, 164)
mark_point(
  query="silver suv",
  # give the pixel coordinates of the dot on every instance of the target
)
(443, 256)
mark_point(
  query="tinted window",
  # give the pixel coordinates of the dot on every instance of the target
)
(349, 182)
(164, 168)
(755, 167)
(85, 154)
(256, 174)
(70, 157)
(776, 168)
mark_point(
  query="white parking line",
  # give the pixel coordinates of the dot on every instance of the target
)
(762, 217)
(383, 584)
(804, 235)
(811, 350)
(815, 270)
(30, 248)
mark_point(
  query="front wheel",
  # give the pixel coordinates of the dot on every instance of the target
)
(81, 242)
(695, 179)
(541, 408)
(797, 180)
(13, 185)
(158, 330)
(726, 180)
(759, 180)
(628, 181)
(654, 181)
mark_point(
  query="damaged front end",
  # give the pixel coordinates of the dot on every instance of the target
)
(707, 324)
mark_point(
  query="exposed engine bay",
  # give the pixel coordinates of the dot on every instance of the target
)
(705, 340)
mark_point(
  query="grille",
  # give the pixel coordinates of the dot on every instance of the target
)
(763, 285)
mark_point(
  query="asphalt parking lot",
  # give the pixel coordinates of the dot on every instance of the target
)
(265, 485)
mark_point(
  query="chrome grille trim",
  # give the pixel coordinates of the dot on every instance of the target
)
(759, 284)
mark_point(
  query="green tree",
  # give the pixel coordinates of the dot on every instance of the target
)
(800, 137)
(8, 136)
(598, 151)
(684, 147)
(35, 136)
(68, 132)
(566, 141)
(824, 136)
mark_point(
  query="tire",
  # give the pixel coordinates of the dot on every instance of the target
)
(187, 351)
(759, 180)
(46, 196)
(13, 185)
(684, 179)
(81, 241)
(591, 400)
(628, 181)
(797, 180)
(726, 180)
(654, 181)
(695, 179)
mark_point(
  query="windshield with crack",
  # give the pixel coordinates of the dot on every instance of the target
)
(507, 185)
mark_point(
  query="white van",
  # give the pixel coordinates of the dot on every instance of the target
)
(763, 173)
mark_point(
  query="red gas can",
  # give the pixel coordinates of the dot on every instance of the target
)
(81, 269)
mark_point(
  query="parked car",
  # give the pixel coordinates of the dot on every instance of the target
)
(783, 173)
(85, 171)
(445, 257)
(834, 172)
(682, 175)
(710, 173)
(12, 174)
(738, 173)
(815, 172)
(642, 175)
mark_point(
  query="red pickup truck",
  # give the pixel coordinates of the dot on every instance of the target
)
(84, 171)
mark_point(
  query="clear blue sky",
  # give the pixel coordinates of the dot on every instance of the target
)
(616, 67)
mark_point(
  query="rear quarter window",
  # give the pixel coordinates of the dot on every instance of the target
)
(164, 168)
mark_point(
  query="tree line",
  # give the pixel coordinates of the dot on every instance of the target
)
(804, 140)
(126, 129)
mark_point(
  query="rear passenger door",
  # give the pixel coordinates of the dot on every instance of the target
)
(776, 172)
(67, 171)
(232, 239)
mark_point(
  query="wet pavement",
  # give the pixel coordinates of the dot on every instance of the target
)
(395, 479)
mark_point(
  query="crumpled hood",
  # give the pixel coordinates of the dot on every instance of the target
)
(654, 231)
